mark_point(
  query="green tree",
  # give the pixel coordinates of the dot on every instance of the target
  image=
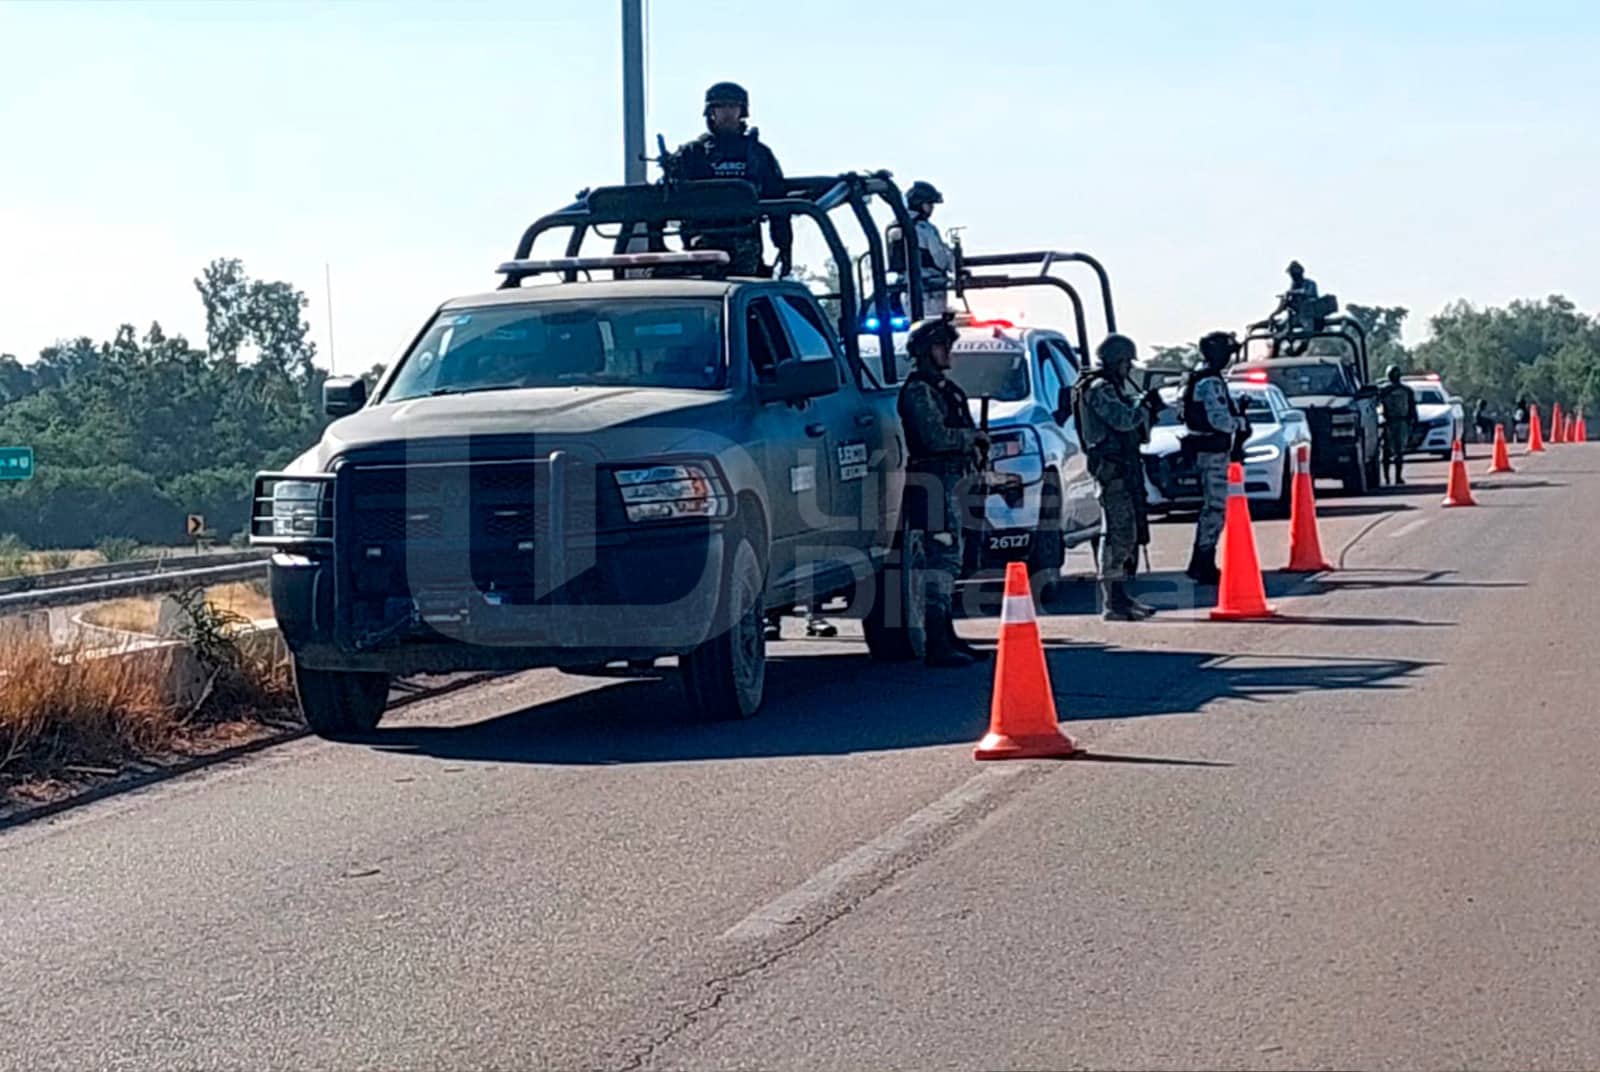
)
(1179, 358)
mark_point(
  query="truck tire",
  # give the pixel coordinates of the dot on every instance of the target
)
(895, 627)
(341, 705)
(1355, 477)
(725, 677)
(1048, 551)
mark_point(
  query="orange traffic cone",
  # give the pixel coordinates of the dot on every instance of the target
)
(1583, 428)
(1556, 426)
(1242, 593)
(1022, 713)
(1572, 430)
(1502, 456)
(1305, 543)
(1459, 491)
(1535, 434)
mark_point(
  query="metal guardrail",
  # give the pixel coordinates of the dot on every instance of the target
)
(166, 582)
(110, 571)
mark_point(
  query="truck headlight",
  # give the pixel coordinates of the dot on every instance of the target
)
(671, 492)
(1262, 452)
(296, 509)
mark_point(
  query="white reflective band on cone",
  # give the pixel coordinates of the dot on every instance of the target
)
(1016, 610)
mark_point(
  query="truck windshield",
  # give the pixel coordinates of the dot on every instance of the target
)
(628, 343)
(1001, 375)
(1300, 380)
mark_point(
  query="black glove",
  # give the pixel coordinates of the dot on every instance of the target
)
(1153, 401)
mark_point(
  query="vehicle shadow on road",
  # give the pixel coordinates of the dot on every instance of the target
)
(842, 703)
(1359, 581)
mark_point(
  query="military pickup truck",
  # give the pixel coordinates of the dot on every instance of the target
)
(600, 470)
(1329, 379)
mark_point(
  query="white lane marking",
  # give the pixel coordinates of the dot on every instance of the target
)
(876, 857)
(1409, 527)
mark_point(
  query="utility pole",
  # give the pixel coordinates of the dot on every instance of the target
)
(633, 163)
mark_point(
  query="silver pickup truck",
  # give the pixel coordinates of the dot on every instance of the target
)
(599, 470)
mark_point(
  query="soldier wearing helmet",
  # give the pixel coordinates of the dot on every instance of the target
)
(1398, 404)
(936, 262)
(1217, 428)
(943, 445)
(731, 149)
(1113, 421)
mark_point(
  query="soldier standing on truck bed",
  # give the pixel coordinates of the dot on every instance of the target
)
(934, 259)
(1214, 421)
(1112, 422)
(943, 445)
(1399, 405)
(730, 149)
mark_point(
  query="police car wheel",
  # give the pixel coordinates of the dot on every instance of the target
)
(341, 704)
(725, 678)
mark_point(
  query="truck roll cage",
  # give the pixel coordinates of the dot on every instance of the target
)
(966, 279)
(672, 207)
(1338, 327)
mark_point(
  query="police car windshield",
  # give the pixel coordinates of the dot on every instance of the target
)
(1300, 380)
(1001, 375)
(627, 343)
(1255, 406)
(1430, 396)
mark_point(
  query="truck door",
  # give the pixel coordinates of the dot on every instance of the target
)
(853, 435)
(789, 446)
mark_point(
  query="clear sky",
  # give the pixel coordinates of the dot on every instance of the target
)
(1409, 153)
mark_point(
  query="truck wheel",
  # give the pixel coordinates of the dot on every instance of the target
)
(1355, 477)
(341, 704)
(724, 678)
(1048, 551)
(895, 627)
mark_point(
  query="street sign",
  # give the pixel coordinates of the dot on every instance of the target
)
(197, 525)
(16, 463)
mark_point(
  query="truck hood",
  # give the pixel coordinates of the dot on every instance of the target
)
(611, 422)
(1435, 412)
(1002, 412)
(1320, 401)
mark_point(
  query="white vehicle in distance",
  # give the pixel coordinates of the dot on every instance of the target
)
(1041, 499)
(1441, 418)
(1276, 430)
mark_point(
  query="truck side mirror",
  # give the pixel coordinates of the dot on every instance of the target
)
(794, 381)
(343, 396)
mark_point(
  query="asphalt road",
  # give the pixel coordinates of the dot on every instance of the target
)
(1361, 835)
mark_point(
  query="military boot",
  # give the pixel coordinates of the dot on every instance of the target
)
(1118, 607)
(1203, 567)
(1142, 609)
(941, 653)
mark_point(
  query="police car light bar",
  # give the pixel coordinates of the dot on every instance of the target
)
(706, 257)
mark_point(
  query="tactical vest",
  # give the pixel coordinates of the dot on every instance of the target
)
(1203, 437)
(1394, 398)
(953, 405)
(1114, 444)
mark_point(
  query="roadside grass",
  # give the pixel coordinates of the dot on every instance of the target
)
(246, 600)
(68, 715)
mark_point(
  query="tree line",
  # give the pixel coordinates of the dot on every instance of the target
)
(133, 433)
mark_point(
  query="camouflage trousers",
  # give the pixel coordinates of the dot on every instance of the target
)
(1212, 467)
(1395, 436)
(1120, 541)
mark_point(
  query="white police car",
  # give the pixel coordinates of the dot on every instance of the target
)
(1441, 419)
(1277, 429)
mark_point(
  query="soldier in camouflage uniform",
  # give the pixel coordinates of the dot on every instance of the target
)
(1399, 405)
(1216, 426)
(730, 149)
(1112, 422)
(943, 445)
